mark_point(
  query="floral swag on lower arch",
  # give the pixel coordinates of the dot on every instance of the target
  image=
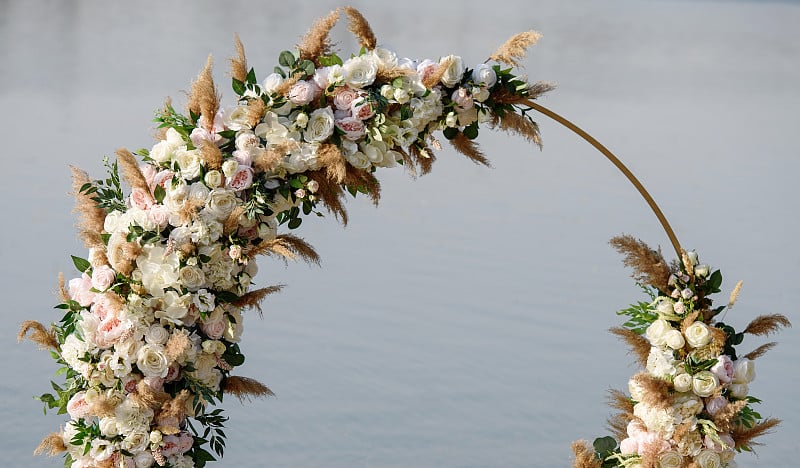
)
(149, 338)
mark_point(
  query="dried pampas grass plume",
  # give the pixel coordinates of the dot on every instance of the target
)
(743, 436)
(91, 218)
(504, 96)
(255, 111)
(173, 412)
(131, 172)
(760, 351)
(656, 391)
(765, 325)
(639, 345)
(515, 48)
(204, 97)
(331, 158)
(360, 28)
(470, 149)
(283, 88)
(52, 444)
(253, 298)
(735, 294)
(648, 265)
(514, 123)
(584, 455)
(63, 294)
(211, 155)
(287, 246)
(433, 79)
(316, 42)
(46, 339)
(245, 388)
(239, 63)
(725, 418)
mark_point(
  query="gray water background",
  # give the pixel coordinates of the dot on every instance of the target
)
(462, 323)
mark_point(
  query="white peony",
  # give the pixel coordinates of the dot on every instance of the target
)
(705, 383)
(656, 332)
(744, 371)
(360, 71)
(698, 334)
(484, 75)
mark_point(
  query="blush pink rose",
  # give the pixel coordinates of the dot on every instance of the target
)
(650, 442)
(104, 305)
(149, 172)
(303, 92)
(77, 406)
(103, 277)
(163, 178)
(344, 97)
(159, 215)
(716, 404)
(462, 99)
(155, 384)
(629, 446)
(80, 290)
(241, 180)
(723, 369)
(129, 383)
(141, 199)
(352, 127)
(362, 109)
(243, 157)
(214, 329)
(426, 68)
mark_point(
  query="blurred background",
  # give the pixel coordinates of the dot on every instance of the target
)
(463, 323)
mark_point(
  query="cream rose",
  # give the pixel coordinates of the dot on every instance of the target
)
(656, 332)
(670, 459)
(213, 179)
(484, 75)
(708, 459)
(320, 125)
(705, 383)
(744, 371)
(360, 71)
(454, 71)
(682, 383)
(698, 334)
(221, 203)
(152, 361)
(156, 334)
(192, 277)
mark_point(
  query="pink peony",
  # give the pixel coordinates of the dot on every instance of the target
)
(241, 180)
(352, 127)
(111, 330)
(723, 369)
(159, 215)
(462, 99)
(77, 406)
(80, 290)
(149, 172)
(362, 109)
(304, 92)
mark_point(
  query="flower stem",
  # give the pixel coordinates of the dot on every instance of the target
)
(614, 160)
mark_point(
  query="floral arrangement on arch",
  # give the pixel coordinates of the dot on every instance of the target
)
(150, 335)
(690, 406)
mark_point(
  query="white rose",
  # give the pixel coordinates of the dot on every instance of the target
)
(698, 334)
(705, 383)
(136, 441)
(358, 160)
(156, 334)
(229, 167)
(744, 371)
(656, 332)
(221, 203)
(237, 118)
(738, 390)
(213, 179)
(111, 223)
(701, 271)
(693, 259)
(152, 361)
(161, 152)
(484, 75)
(674, 339)
(271, 82)
(670, 459)
(108, 426)
(454, 72)
(189, 163)
(360, 71)
(708, 459)
(683, 383)
(192, 277)
(320, 125)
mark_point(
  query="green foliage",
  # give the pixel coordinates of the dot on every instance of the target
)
(605, 449)
(641, 315)
(107, 193)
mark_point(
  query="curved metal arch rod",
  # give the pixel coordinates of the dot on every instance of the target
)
(619, 165)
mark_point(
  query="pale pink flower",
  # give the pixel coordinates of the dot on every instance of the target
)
(362, 109)
(77, 406)
(462, 99)
(426, 68)
(352, 127)
(141, 199)
(111, 330)
(241, 180)
(344, 97)
(103, 277)
(159, 215)
(723, 369)
(80, 290)
(149, 172)
(303, 92)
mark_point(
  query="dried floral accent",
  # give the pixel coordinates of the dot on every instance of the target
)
(515, 48)
(63, 294)
(231, 224)
(46, 339)
(735, 294)
(434, 78)
(389, 74)
(360, 28)
(765, 325)
(744, 436)
(470, 149)
(172, 413)
(584, 456)
(639, 346)
(725, 419)
(91, 218)
(245, 388)
(211, 155)
(148, 397)
(288, 247)
(656, 391)
(331, 158)
(239, 63)
(132, 174)
(253, 298)
(52, 445)
(519, 125)
(760, 351)
(286, 85)
(316, 41)
(177, 344)
(204, 97)
(649, 266)
(255, 112)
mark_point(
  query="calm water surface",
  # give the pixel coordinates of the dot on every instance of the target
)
(463, 323)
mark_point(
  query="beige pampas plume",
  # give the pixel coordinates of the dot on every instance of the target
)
(316, 41)
(239, 63)
(760, 351)
(288, 247)
(131, 172)
(725, 418)
(253, 298)
(765, 325)
(330, 194)
(331, 158)
(423, 157)
(231, 223)
(173, 412)
(255, 111)
(743, 436)
(63, 294)
(470, 149)
(735, 294)
(648, 265)
(283, 88)
(211, 155)
(656, 391)
(388, 74)
(433, 79)
(46, 339)
(146, 396)
(515, 48)
(365, 181)
(584, 455)
(91, 218)
(204, 97)
(267, 160)
(52, 444)
(245, 388)
(501, 95)
(514, 123)
(360, 28)
(639, 345)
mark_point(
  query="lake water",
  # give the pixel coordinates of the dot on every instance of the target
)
(462, 323)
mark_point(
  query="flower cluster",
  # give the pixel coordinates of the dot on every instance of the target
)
(153, 319)
(691, 405)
